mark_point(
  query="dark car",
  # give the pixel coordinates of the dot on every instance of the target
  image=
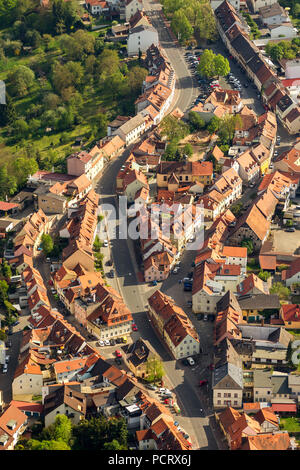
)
(16, 323)
(118, 360)
(109, 262)
(185, 362)
(290, 229)
(119, 340)
(202, 382)
(112, 342)
(111, 273)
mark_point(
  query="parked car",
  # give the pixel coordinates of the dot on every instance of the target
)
(111, 273)
(176, 423)
(202, 383)
(107, 342)
(118, 361)
(118, 353)
(175, 270)
(112, 342)
(205, 318)
(134, 327)
(290, 229)
(190, 361)
(154, 283)
(161, 390)
(100, 343)
(5, 367)
(152, 387)
(16, 323)
(105, 243)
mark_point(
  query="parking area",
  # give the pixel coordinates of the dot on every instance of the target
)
(284, 241)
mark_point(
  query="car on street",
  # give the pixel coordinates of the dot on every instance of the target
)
(162, 390)
(105, 243)
(118, 353)
(154, 283)
(176, 423)
(124, 339)
(8, 344)
(7, 359)
(205, 318)
(190, 361)
(276, 153)
(112, 342)
(111, 273)
(290, 229)
(175, 270)
(151, 387)
(134, 327)
(107, 342)
(5, 367)
(202, 383)
(101, 343)
(118, 360)
(16, 323)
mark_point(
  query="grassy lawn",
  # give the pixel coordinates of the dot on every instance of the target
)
(290, 424)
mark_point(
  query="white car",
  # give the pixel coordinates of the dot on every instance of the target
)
(175, 270)
(4, 369)
(7, 359)
(205, 318)
(105, 243)
(190, 361)
(107, 342)
(162, 390)
(101, 343)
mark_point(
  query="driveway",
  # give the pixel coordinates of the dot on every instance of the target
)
(286, 242)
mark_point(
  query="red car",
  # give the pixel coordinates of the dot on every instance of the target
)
(202, 382)
(118, 353)
(134, 327)
(211, 366)
(166, 401)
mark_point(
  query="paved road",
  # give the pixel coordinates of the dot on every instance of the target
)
(186, 84)
(181, 379)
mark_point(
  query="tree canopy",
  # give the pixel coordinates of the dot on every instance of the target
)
(212, 65)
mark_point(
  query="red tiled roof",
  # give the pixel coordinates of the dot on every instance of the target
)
(284, 407)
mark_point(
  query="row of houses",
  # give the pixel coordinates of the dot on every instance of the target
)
(173, 325)
(243, 356)
(235, 35)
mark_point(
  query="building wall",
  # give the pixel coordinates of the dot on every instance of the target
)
(51, 205)
(30, 384)
(221, 398)
(204, 303)
(104, 332)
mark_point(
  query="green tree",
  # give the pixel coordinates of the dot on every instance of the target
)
(93, 434)
(264, 275)
(282, 291)
(114, 445)
(187, 150)
(135, 77)
(212, 65)
(248, 243)
(213, 125)
(222, 67)
(47, 243)
(154, 369)
(196, 121)
(173, 129)
(21, 78)
(23, 167)
(181, 26)
(227, 127)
